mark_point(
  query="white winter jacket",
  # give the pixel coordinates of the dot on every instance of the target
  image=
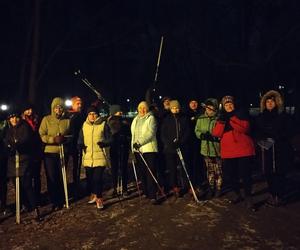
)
(147, 136)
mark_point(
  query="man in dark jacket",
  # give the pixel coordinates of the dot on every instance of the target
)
(77, 118)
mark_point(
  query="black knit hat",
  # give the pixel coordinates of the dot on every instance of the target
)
(114, 109)
(26, 106)
(92, 109)
(212, 102)
(13, 112)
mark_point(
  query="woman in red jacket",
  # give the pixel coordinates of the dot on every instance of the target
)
(237, 149)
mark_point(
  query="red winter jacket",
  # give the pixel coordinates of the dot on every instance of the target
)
(235, 142)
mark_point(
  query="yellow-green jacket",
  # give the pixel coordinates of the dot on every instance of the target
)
(51, 127)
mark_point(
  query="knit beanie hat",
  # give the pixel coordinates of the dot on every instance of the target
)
(227, 99)
(212, 102)
(92, 109)
(174, 103)
(113, 109)
(13, 112)
(26, 106)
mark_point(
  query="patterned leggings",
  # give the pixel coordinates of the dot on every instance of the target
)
(214, 172)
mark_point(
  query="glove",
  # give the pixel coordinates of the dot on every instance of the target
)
(176, 143)
(206, 136)
(59, 139)
(136, 146)
(102, 144)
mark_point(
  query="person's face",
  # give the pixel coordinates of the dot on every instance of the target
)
(58, 111)
(193, 105)
(270, 104)
(166, 104)
(119, 113)
(175, 110)
(77, 106)
(229, 107)
(28, 112)
(14, 121)
(209, 110)
(92, 116)
(142, 110)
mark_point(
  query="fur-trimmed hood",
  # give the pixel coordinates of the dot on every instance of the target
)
(278, 100)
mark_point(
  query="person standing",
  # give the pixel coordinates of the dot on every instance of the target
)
(29, 115)
(119, 149)
(3, 164)
(175, 133)
(53, 131)
(144, 142)
(237, 149)
(77, 118)
(273, 131)
(93, 140)
(18, 140)
(197, 172)
(210, 147)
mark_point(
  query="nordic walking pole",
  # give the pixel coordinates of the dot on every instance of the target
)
(152, 175)
(136, 179)
(158, 58)
(273, 160)
(63, 171)
(187, 174)
(263, 159)
(18, 217)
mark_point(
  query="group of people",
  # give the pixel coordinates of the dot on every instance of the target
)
(215, 139)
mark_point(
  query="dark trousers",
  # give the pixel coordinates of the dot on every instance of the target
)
(172, 162)
(54, 179)
(177, 176)
(148, 184)
(119, 166)
(3, 182)
(27, 193)
(197, 170)
(239, 168)
(35, 165)
(76, 167)
(275, 174)
(94, 177)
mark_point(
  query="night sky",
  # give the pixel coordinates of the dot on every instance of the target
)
(211, 48)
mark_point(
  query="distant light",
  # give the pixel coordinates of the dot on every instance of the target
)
(68, 103)
(127, 100)
(251, 104)
(3, 107)
(280, 86)
(160, 97)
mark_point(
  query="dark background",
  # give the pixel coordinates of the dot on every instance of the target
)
(211, 48)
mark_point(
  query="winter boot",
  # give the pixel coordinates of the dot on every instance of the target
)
(210, 194)
(37, 215)
(99, 203)
(237, 198)
(218, 193)
(92, 199)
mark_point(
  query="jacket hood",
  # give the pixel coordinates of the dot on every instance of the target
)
(56, 101)
(278, 100)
